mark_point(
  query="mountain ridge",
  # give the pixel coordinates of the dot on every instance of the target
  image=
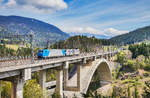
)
(24, 25)
(134, 36)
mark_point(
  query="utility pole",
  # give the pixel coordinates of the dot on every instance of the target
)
(32, 51)
(47, 44)
(72, 43)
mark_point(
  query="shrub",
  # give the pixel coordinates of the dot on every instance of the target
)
(121, 58)
(147, 67)
(131, 65)
(32, 90)
(141, 64)
(6, 89)
(56, 95)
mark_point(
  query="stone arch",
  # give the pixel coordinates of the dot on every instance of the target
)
(105, 73)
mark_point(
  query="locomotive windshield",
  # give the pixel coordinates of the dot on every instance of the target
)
(41, 51)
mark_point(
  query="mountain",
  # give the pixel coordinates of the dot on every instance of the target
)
(42, 31)
(137, 35)
(89, 35)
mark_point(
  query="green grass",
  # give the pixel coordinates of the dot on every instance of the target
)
(15, 47)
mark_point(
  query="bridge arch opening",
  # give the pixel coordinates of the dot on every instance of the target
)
(102, 76)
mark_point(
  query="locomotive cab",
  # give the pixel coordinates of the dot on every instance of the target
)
(43, 53)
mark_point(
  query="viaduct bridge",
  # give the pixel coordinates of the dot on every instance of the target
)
(18, 72)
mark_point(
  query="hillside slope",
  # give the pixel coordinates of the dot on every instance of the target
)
(42, 31)
(84, 43)
(138, 35)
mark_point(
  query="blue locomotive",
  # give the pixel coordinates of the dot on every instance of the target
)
(45, 53)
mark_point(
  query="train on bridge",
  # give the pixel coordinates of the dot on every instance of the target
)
(47, 53)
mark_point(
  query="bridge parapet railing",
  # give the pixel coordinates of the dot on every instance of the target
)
(15, 61)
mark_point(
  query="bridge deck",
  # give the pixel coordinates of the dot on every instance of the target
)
(15, 67)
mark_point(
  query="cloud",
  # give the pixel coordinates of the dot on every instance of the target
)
(119, 15)
(89, 30)
(11, 3)
(114, 32)
(36, 5)
(110, 32)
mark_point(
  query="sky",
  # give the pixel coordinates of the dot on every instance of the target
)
(103, 17)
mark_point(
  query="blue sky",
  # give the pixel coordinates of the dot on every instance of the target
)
(103, 17)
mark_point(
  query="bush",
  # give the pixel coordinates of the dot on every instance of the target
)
(6, 89)
(141, 64)
(140, 58)
(121, 58)
(131, 65)
(147, 67)
(32, 90)
(56, 95)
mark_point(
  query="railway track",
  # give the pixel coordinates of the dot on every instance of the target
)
(14, 60)
(25, 61)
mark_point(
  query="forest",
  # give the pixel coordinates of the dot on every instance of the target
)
(140, 49)
(85, 44)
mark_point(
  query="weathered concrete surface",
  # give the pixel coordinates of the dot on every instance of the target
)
(74, 84)
(17, 88)
(50, 84)
(105, 72)
(59, 81)
(42, 79)
(86, 76)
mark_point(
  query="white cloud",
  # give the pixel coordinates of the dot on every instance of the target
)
(89, 30)
(36, 5)
(114, 32)
(110, 32)
(11, 3)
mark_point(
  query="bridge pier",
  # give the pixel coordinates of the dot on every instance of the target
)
(59, 81)
(100, 56)
(105, 56)
(66, 66)
(109, 57)
(17, 87)
(27, 74)
(84, 61)
(112, 57)
(78, 77)
(71, 88)
(94, 58)
(42, 79)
